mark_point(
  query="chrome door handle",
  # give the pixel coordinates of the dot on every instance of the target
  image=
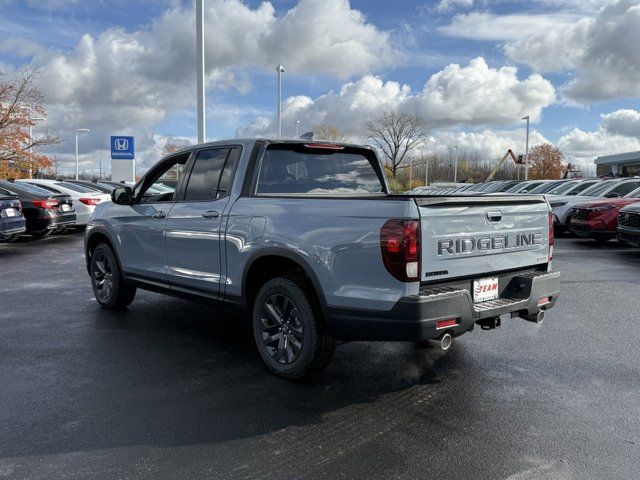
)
(210, 214)
(159, 215)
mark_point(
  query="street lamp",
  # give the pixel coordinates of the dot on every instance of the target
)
(280, 69)
(200, 83)
(455, 168)
(32, 119)
(79, 130)
(297, 128)
(526, 151)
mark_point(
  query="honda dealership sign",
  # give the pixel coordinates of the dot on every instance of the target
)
(122, 148)
(123, 165)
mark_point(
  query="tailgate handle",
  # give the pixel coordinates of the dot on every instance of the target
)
(494, 215)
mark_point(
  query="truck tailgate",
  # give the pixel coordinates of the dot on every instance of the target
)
(467, 236)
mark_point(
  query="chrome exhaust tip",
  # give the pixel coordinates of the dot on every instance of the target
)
(445, 342)
(537, 318)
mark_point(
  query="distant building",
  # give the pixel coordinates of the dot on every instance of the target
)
(620, 164)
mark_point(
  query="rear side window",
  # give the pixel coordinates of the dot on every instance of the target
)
(296, 169)
(205, 175)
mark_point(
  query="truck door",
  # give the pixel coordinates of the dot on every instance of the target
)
(142, 224)
(196, 222)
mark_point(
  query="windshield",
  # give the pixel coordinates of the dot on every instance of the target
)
(562, 188)
(544, 187)
(296, 169)
(634, 193)
(517, 187)
(598, 188)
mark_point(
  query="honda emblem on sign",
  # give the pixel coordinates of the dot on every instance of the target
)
(122, 148)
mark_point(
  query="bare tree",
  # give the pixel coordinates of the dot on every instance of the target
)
(328, 132)
(20, 102)
(396, 134)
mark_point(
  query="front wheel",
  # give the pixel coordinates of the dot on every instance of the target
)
(109, 287)
(288, 330)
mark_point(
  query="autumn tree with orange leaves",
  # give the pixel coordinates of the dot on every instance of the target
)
(20, 102)
(545, 162)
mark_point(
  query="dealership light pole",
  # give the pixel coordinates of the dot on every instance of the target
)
(78, 130)
(32, 119)
(200, 87)
(297, 128)
(526, 151)
(280, 69)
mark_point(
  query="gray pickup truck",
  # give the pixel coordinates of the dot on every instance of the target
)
(305, 237)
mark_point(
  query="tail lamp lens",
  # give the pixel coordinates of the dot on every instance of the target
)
(49, 203)
(551, 236)
(400, 246)
(90, 201)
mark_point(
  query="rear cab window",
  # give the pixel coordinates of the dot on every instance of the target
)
(318, 169)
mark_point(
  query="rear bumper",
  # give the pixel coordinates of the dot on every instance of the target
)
(414, 318)
(12, 226)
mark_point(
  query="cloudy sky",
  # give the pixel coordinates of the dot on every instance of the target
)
(471, 68)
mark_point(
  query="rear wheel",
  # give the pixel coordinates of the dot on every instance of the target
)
(288, 330)
(10, 238)
(41, 233)
(109, 286)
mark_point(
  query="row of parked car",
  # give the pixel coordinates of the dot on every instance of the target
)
(602, 209)
(40, 207)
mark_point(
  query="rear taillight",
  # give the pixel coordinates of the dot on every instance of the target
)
(551, 236)
(400, 245)
(48, 203)
(90, 201)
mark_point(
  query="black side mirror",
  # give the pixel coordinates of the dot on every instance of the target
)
(122, 196)
(612, 195)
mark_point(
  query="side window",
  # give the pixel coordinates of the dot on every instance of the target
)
(205, 175)
(625, 188)
(161, 182)
(226, 180)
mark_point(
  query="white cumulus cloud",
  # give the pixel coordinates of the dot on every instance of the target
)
(600, 50)
(474, 94)
(122, 81)
(617, 132)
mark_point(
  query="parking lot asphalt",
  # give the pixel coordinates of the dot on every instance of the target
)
(171, 389)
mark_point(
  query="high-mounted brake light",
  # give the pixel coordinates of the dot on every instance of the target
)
(90, 201)
(49, 203)
(400, 246)
(326, 146)
(551, 236)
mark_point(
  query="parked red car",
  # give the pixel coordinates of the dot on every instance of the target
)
(598, 219)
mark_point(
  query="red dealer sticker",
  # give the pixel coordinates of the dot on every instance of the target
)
(485, 289)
